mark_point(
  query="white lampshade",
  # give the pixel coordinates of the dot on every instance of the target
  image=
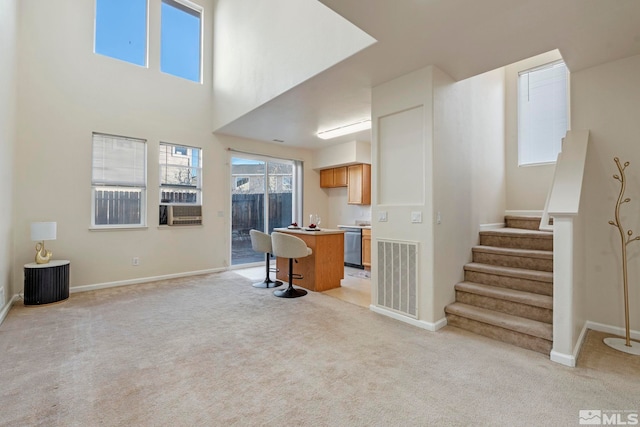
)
(43, 231)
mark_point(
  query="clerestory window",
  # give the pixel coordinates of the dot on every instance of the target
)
(181, 39)
(121, 30)
(542, 113)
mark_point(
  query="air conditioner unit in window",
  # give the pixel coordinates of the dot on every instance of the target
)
(184, 215)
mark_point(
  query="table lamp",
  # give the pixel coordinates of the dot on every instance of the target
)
(41, 231)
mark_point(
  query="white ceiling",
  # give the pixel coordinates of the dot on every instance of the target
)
(462, 37)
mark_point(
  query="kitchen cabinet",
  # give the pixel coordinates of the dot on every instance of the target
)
(334, 177)
(366, 248)
(359, 184)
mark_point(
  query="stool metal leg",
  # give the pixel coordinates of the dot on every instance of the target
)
(267, 282)
(290, 292)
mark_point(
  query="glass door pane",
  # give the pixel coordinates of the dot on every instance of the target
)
(248, 187)
(280, 193)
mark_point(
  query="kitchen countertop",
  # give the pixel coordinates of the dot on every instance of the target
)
(303, 230)
(355, 226)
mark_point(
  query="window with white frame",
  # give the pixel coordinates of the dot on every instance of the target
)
(542, 113)
(118, 181)
(181, 39)
(180, 174)
(121, 30)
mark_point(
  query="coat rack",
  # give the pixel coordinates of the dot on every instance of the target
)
(625, 345)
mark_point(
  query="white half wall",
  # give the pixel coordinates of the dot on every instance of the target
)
(264, 48)
(8, 136)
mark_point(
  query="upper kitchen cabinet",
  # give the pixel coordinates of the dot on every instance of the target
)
(334, 177)
(359, 184)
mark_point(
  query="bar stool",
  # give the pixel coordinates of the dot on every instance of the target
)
(261, 242)
(292, 247)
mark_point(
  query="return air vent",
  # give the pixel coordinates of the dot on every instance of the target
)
(398, 276)
(184, 215)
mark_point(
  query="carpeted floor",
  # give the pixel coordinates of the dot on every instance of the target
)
(214, 351)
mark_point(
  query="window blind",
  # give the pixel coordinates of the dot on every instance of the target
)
(118, 161)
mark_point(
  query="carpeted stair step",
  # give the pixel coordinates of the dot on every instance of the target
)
(519, 331)
(521, 221)
(538, 282)
(517, 238)
(531, 259)
(517, 303)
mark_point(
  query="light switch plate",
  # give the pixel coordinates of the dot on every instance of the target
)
(416, 217)
(382, 216)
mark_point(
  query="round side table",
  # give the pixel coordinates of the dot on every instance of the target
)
(46, 283)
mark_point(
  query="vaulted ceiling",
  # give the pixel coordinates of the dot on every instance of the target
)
(462, 37)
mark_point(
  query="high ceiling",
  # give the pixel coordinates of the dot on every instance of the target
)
(462, 37)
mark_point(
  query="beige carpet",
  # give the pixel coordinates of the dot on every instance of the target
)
(214, 351)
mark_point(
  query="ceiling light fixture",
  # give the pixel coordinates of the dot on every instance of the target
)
(345, 130)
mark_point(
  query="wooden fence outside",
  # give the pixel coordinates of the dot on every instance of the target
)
(118, 207)
(247, 212)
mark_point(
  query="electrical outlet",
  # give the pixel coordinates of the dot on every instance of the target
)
(135, 261)
(2, 300)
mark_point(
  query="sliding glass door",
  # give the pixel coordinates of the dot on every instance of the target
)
(264, 195)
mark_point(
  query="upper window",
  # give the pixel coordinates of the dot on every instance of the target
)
(121, 30)
(180, 174)
(181, 39)
(542, 113)
(118, 181)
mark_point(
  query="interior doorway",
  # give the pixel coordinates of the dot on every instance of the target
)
(265, 194)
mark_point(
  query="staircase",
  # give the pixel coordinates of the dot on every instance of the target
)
(507, 289)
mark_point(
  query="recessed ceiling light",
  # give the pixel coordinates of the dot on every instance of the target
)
(278, 140)
(345, 130)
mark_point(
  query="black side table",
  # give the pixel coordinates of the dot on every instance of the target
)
(45, 283)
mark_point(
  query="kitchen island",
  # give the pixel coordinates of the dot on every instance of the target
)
(324, 268)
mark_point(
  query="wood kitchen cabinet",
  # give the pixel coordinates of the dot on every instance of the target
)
(334, 177)
(359, 184)
(366, 248)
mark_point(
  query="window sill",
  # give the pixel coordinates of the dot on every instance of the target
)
(173, 227)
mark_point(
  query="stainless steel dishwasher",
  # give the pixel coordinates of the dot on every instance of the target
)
(352, 247)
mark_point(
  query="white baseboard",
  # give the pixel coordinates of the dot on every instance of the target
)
(616, 330)
(524, 213)
(570, 359)
(86, 288)
(7, 307)
(419, 323)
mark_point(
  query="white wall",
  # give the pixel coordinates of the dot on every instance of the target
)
(342, 213)
(66, 93)
(606, 99)
(402, 116)
(442, 151)
(263, 49)
(469, 172)
(8, 83)
(346, 153)
(527, 186)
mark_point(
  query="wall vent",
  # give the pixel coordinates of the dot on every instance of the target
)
(398, 276)
(184, 215)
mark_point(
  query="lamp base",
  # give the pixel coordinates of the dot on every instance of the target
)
(620, 344)
(42, 255)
